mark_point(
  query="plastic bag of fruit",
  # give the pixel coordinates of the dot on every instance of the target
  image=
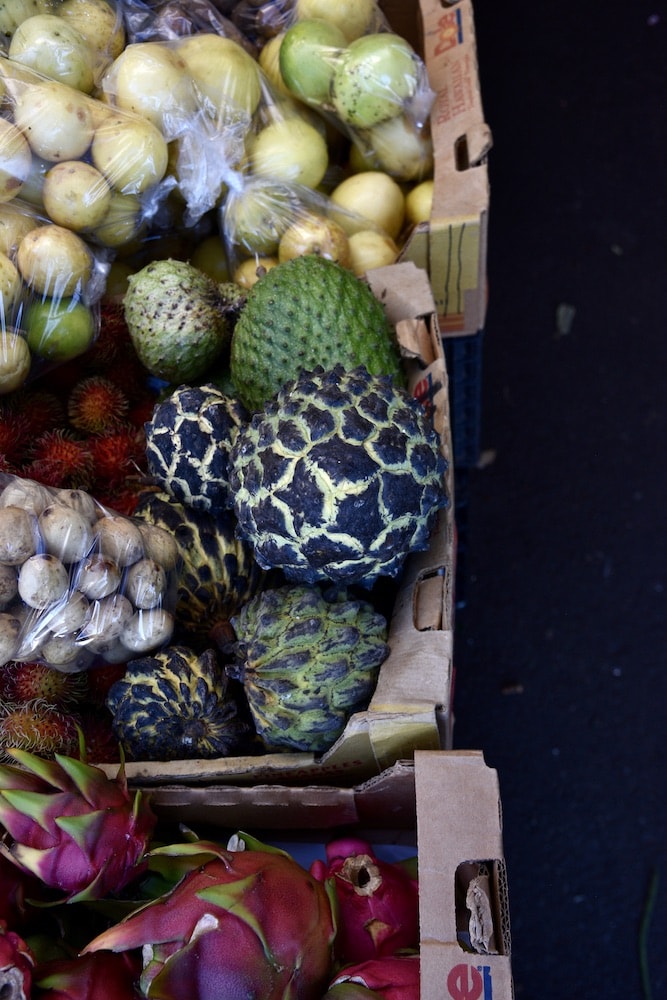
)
(169, 19)
(344, 61)
(264, 222)
(78, 581)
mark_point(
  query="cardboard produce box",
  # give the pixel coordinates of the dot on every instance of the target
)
(410, 708)
(452, 246)
(444, 806)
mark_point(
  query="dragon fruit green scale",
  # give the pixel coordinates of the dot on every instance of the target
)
(246, 923)
(338, 478)
(76, 829)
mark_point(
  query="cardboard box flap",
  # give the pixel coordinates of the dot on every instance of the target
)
(386, 801)
(464, 913)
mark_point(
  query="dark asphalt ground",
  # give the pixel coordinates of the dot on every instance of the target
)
(561, 646)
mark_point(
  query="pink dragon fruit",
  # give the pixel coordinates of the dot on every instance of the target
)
(101, 975)
(395, 977)
(378, 901)
(16, 964)
(246, 923)
(16, 887)
(71, 826)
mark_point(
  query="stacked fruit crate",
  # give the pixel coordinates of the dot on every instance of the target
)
(190, 482)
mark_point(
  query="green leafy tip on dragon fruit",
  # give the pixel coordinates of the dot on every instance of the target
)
(77, 830)
(239, 923)
(16, 965)
(102, 975)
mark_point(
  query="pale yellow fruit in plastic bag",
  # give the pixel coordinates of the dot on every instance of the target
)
(369, 249)
(375, 196)
(15, 361)
(15, 160)
(223, 72)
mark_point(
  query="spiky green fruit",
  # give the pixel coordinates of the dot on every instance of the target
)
(307, 661)
(339, 478)
(176, 705)
(177, 320)
(188, 440)
(305, 312)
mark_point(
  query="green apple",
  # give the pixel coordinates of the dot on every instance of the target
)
(374, 78)
(54, 48)
(15, 361)
(59, 329)
(308, 57)
(353, 17)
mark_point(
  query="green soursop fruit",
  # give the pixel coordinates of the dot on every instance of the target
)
(306, 312)
(218, 571)
(188, 440)
(177, 320)
(338, 479)
(307, 660)
(176, 705)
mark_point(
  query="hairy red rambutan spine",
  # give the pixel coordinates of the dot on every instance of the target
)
(96, 404)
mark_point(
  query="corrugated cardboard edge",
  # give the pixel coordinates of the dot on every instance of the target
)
(452, 247)
(459, 819)
(411, 707)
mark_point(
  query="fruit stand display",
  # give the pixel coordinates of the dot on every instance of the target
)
(227, 533)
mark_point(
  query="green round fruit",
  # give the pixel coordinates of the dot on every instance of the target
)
(377, 74)
(59, 329)
(308, 56)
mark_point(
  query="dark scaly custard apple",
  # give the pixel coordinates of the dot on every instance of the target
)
(308, 659)
(306, 312)
(188, 440)
(218, 571)
(176, 705)
(338, 479)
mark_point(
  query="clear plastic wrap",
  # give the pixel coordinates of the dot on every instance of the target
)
(78, 581)
(265, 222)
(71, 41)
(374, 88)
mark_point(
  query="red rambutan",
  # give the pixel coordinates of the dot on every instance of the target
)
(118, 454)
(113, 338)
(100, 677)
(14, 435)
(38, 727)
(100, 742)
(43, 411)
(96, 404)
(21, 682)
(60, 459)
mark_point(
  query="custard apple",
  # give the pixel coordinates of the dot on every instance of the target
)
(188, 440)
(338, 479)
(176, 705)
(308, 660)
(177, 320)
(218, 571)
(306, 312)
